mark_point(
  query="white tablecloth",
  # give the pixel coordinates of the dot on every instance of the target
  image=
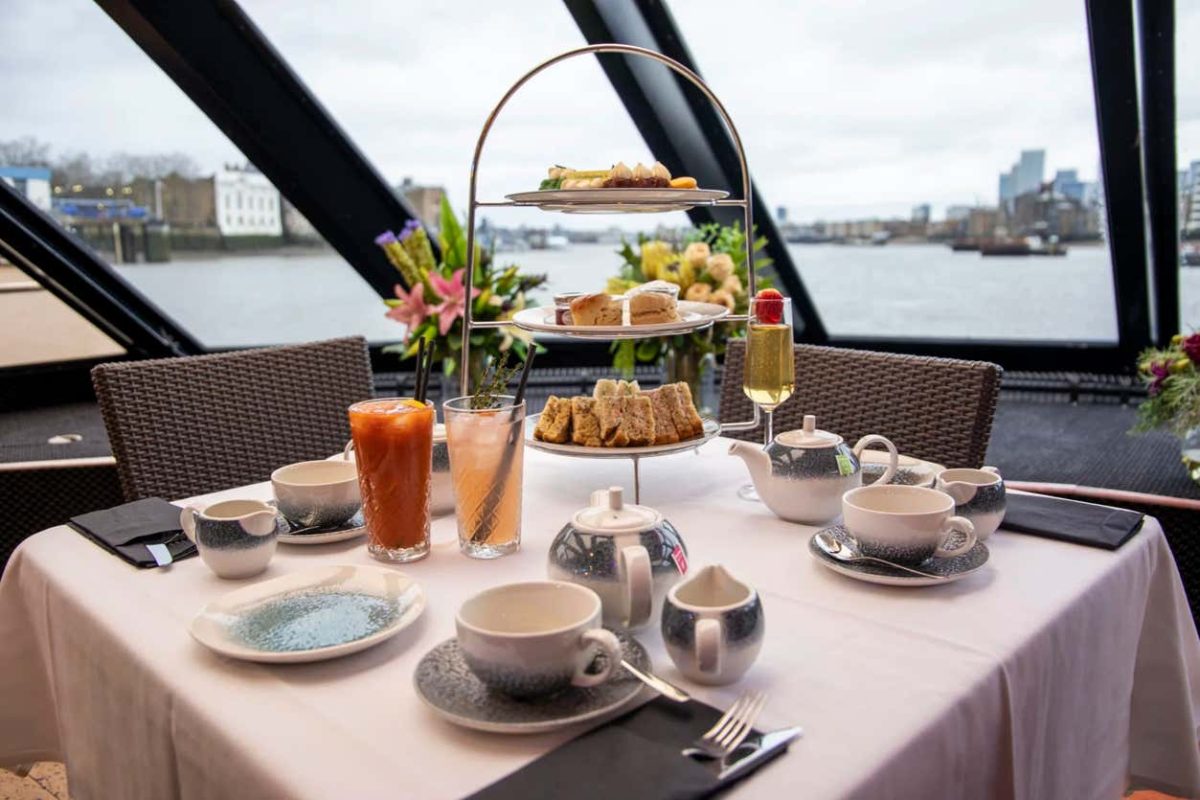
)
(1058, 672)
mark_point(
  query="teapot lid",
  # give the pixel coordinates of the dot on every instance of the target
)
(609, 514)
(809, 436)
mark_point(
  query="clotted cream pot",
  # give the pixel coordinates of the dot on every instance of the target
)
(802, 474)
(628, 554)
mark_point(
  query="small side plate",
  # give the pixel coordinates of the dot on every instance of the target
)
(311, 615)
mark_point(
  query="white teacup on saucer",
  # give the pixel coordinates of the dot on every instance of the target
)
(317, 494)
(905, 524)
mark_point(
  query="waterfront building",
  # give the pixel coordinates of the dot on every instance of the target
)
(1029, 171)
(296, 227)
(1066, 183)
(425, 200)
(1189, 217)
(1007, 192)
(921, 214)
(185, 203)
(957, 213)
(247, 203)
(33, 182)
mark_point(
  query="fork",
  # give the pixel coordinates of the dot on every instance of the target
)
(731, 729)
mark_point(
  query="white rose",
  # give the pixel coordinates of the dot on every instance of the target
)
(696, 254)
(732, 284)
(722, 297)
(698, 292)
(720, 266)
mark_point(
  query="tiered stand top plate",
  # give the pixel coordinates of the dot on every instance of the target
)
(617, 201)
(692, 317)
(712, 429)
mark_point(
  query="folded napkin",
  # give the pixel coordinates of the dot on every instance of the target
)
(125, 530)
(633, 757)
(1071, 520)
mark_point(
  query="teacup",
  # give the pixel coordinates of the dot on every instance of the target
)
(713, 626)
(235, 538)
(978, 495)
(317, 494)
(905, 524)
(536, 638)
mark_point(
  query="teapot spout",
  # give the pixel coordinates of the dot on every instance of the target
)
(756, 460)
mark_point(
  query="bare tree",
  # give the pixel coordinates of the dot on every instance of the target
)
(24, 152)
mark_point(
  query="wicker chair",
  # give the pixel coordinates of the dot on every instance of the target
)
(934, 408)
(187, 426)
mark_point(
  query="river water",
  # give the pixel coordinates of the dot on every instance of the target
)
(896, 291)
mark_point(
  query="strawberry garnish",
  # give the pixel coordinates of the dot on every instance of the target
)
(768, 307)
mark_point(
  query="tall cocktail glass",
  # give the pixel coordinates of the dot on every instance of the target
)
(487, 449)
(393, 443)
(769, 375)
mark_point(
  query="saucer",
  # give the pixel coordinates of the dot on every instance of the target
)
(910, 471)
(311, 615)
(350, 529)
(447, 685)
(951, 569)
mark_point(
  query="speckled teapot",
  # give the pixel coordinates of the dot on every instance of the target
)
(628, 554)
(802, 474)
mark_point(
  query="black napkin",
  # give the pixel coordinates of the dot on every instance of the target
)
(125, 530)
(633, 757)
(1071, 520)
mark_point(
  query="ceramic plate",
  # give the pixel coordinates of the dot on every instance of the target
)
(693, 317)
(607, 201)
(712, 428)
(350, 529)
(311, 615)
(952, 569)
(448, 686)
(909, 471)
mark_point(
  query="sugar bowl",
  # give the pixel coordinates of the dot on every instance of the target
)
(628, 554)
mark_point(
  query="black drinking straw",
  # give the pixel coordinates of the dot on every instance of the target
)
(529, 355)
(425, 373)
(419, 389)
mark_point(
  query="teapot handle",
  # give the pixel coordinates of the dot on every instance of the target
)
(893, 456)
(635, 564)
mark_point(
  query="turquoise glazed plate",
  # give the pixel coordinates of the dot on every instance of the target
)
(312, 615)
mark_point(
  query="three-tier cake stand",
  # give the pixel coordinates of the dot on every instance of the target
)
(621, 202)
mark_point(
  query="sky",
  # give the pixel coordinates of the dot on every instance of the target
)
(848, 110)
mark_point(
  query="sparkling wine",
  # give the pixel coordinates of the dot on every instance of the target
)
(770, 375)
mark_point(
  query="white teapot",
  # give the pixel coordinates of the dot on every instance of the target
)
(629, 555)
(802, 474)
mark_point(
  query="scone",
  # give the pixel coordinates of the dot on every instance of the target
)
(554, 423)
(652, 308)
(595, 309)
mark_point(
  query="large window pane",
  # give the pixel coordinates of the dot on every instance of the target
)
(104, 141)
(1187, 144)
(880, 138)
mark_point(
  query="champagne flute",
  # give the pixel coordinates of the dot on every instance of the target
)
(769, 376)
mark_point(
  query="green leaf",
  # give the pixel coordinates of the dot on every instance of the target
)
(648, 350)
(454, 241)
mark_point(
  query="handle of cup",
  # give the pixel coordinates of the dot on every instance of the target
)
(708, 645)
(893, 456)
(949, 527)
(639, 599)
(608, 644)
(348, 450)
(187, 521)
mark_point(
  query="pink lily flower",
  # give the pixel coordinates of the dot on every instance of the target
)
(453, 294)
(411, 310)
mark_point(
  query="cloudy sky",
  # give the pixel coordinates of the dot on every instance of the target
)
(849, 109)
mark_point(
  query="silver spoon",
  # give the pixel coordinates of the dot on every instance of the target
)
(656, 683)
(837, 549)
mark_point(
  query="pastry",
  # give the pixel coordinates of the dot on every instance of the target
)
(595, 309)
(619, 176)
(683, 183)
(554, 423)
(652, 308)
(585, 427)
(661, 401)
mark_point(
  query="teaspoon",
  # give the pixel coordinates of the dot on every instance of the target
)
(841, 551)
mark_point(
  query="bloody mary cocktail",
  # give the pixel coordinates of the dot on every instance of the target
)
(393, 444)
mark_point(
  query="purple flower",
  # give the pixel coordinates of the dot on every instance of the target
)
(410, 227)
(1160, 370)
(385, 238)
(1191, 348)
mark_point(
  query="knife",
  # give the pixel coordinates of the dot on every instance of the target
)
(769, 745)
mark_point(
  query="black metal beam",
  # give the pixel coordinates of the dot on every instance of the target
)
(224, 63)
(1156, 29)
(681, 127)
(70, 271)
(1114, 76)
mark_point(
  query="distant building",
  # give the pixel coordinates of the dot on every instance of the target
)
(185, 203)
(1189, 214)
(425, 200)
(781, 215)
(247, 204)
(982, 222)
(1006, 192)
(296, 227)
(957, 213)
(921, 214)
(32, 182)
(1030, 170)
(1067, 184)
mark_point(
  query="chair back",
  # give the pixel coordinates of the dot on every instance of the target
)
(938, 409)
(186, 426)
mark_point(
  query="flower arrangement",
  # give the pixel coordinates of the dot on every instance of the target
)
(432, 305)
(709, 267)
(1172, 379)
